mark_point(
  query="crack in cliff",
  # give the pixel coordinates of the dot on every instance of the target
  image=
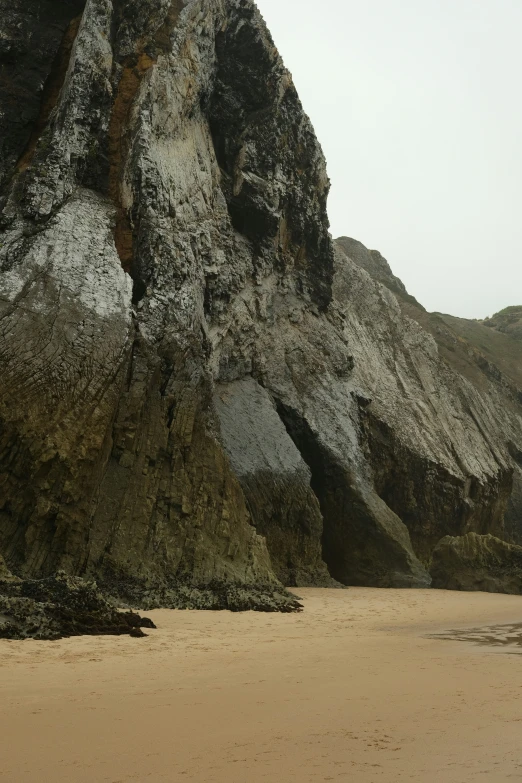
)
(162, 37)
(324, 478)
(134, 67)
(133, 70)
(51, 92)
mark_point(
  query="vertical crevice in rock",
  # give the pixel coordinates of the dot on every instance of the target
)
(51, 91)
(162, 38)
(324, 478)
(133, 70)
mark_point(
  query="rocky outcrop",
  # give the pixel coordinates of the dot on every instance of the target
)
(373, 262)
(61, 606)
(474, 562)
(200, 398)
(508, 321)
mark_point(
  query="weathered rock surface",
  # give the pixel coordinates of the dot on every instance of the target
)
(474, 562)
(61, 606)
(200, 399)
(5, 574)
(35, 46)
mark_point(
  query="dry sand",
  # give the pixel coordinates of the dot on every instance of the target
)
(352, 689)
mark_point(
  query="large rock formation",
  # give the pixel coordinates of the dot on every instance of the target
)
(165, 249)
(199, 397)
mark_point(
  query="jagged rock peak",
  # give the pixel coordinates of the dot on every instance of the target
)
(374, 263)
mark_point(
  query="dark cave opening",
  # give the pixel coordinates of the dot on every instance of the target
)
(139, 289)
(361, 544)
(329, 483)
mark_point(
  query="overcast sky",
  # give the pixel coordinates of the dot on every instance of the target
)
(418, 107)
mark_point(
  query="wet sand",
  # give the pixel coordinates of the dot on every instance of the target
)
(353, 689)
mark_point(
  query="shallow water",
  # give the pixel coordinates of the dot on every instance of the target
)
(490, 636)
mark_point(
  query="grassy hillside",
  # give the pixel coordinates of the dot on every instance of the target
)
(508, 321)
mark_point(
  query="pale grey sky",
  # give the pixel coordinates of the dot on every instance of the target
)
(417, 104)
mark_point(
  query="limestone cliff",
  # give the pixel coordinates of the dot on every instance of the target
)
(444, 431)
(200, 398)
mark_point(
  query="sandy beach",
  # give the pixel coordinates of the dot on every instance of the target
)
(354, 688)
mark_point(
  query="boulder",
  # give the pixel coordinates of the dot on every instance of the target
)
(475, 562)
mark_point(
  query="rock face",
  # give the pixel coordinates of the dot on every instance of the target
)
(35, 47)
(275, 480)
(444, 421)
(5, 574)
(474, 562)
(200, 397)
